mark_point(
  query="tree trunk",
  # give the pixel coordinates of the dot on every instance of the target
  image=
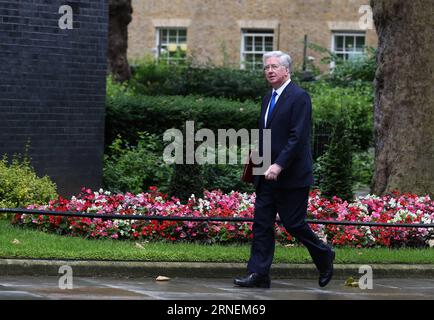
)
(120, 16)
(404, 97)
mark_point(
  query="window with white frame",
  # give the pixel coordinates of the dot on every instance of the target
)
(254, 43)
(172, 44)
(348, 46)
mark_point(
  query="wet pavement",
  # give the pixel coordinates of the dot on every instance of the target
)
(179, 288)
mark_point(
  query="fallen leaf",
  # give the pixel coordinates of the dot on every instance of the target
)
(349, 281)
(162, 278)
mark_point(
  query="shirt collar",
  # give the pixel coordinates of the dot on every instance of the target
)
(282, 87)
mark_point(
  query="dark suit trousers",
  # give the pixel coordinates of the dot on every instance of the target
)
(291, 204)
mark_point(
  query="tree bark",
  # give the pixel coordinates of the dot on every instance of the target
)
(120, 16)
(404, 97)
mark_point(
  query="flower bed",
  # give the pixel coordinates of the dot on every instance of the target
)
(394, 208)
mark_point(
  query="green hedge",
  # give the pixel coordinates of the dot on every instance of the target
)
(128, 113)
(357, 101)
(152, 78)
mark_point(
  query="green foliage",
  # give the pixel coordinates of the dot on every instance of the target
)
(345, 72)
(136, 168)
(226, 177)
(335, 166)
(187, 179)
(348, 71)
(226, 83)
(363, 168)
(159, 97)
(126, 115)
(158, 78)
(358, 100)
(116, 89)
(20, 186)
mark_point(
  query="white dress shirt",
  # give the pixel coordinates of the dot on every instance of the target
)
(278, 93)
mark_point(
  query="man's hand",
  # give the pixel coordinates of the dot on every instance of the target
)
(273, 172)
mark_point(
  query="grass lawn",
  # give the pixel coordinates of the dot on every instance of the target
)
(17, 242)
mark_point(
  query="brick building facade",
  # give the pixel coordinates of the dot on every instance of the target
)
(52, 88)
(237, 32)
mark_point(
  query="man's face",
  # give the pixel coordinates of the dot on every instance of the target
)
(275, 73)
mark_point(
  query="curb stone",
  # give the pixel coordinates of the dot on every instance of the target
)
(132, 269)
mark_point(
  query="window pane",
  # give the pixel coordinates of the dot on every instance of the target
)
(360, 44)
(163, 34)
(182, 36)
(349, 43)
(339, 43)
(259, 43)
(172, 45)
(268, 43)
(248, 43)
(255, 44)
(355, 56)
(172, 36)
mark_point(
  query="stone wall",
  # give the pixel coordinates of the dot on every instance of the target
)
(214, 27)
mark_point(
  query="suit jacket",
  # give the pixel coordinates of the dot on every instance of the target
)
(290, 124)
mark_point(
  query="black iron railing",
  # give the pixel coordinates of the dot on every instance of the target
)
(202, 219)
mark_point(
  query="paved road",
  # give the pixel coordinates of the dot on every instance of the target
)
(47, 287)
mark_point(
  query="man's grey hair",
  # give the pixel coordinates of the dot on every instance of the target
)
(284, 58)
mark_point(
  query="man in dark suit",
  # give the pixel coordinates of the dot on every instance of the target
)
(284, 187)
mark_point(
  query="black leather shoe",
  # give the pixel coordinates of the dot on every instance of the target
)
(327, 274)
(253, 280)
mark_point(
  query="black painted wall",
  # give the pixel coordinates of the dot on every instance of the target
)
(52, 88)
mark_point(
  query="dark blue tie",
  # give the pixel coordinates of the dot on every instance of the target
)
(272, 104)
